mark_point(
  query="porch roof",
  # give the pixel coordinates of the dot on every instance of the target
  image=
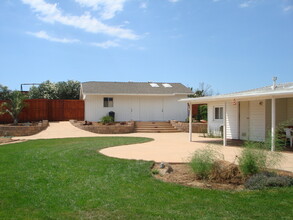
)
(284, 90)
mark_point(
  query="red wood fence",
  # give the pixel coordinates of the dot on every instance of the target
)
(48, 109)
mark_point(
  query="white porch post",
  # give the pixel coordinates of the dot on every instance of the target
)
(190, 122)
(224, 127)
(273, 123)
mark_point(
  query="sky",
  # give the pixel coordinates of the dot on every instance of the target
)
(231, 45)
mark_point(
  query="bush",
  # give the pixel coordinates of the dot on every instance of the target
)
(202, 162)
(266, 180)
(107, 119)
(255, 158)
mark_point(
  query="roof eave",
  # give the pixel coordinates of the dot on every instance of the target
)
(202, 100)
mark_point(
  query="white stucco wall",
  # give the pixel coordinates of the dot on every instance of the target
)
(137, 108)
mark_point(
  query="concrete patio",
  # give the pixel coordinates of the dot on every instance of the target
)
(167, 147)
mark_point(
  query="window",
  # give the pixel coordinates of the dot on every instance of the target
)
(166, 85)
(218, 113)
(154, 85)
(108, 102)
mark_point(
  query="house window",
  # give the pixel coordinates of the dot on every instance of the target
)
(108, 102)
(218, 113)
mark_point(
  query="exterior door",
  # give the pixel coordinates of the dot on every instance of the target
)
(151, 109)
(244, 121)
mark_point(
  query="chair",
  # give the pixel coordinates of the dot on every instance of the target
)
(289, 135)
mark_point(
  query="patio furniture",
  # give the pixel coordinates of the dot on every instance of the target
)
(289, 135)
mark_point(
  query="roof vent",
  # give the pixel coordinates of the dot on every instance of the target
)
(274, 83)
(166, 85)
(154, 85)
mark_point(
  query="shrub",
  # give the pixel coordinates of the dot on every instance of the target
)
(266, 180)
(255, 158)
(107, 119)
(202, 162)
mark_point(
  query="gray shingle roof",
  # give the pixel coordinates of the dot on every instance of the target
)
(133, 88)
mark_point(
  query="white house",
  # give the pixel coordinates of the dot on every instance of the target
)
(249, 115)
(137, 101)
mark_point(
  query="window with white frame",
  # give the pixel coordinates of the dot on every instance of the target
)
(108, 102)
(218, 113)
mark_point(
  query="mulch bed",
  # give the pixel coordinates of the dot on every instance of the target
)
(226, 177)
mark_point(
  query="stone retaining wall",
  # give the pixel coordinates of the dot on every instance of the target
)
(117, 128)
(184, 126)
(24, 129)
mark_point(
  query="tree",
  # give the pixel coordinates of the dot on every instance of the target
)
(4, 92)
(14, 105)
(68, 90)
(60, 90)
(46, 90)
(202, 90)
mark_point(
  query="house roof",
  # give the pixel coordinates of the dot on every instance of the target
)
(281, 90)
(133, 88)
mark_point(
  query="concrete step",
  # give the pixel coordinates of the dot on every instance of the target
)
(156, 131)
(154, 127)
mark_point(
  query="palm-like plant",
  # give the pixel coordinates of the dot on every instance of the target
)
(14, 105)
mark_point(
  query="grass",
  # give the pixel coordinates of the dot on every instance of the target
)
(69, 179)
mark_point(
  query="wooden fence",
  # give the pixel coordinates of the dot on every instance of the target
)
(48, 109)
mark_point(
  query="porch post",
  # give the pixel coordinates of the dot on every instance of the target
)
(190, 122)
(273, 123)
(224, 127)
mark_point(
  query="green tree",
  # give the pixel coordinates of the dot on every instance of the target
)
(14, 105)
(46, 90)
(68, 90)
(4, 92)
(59, 90)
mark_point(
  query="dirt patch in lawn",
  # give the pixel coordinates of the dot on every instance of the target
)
(5, 140)
(225, 177)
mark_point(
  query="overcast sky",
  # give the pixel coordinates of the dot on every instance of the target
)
(232, 45)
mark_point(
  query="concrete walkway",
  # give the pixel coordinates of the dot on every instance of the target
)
(167, 147)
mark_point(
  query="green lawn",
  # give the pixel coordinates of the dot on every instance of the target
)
(69, 179)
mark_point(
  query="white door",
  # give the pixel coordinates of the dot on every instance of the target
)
(244, 120)
(151, 109)
(134, 108)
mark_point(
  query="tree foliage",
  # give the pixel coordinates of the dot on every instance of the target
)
(4, 92)
(14, 105)
(59, 90)
(202, 90)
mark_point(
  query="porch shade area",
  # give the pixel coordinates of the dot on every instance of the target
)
(248, 115)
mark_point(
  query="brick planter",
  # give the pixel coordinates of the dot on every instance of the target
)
(117, 128)
(23, 130)
(184, 126)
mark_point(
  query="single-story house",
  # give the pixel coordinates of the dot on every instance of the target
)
(137, 101)
(248, 115)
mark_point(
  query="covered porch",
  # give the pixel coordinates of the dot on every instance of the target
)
(254, 116)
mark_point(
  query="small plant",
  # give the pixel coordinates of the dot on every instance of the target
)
(107, 119)
(14, 105)
(266, 180)
(203, 160)
(155, 172)
(256, 158)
